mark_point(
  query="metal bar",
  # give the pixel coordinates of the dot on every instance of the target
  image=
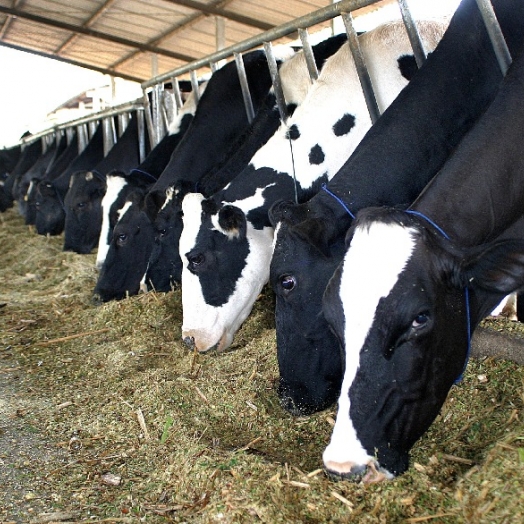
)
(149, 120)
(495, 34)
(321, 15)
(414, 37)
(176, 93)
(141, 135)
(277, 83)
(308, 54)
(82, 137)
(248, 103)
(108, 134)
(363, 75)
(194, 85)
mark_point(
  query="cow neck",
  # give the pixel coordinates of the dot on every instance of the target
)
(479, 192)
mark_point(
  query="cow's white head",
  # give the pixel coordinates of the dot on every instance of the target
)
(225, 265)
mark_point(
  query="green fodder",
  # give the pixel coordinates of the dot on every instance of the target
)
(154, 433)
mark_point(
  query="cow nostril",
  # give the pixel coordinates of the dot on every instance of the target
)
(96, 300)
(189, 342)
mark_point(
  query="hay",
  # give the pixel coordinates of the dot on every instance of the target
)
(136, 428)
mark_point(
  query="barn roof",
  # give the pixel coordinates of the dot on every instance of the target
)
(137, 39)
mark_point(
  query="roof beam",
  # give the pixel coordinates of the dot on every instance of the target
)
(95, 34)
(218, 11)
(74, 62)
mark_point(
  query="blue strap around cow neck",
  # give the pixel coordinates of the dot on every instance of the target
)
(136, 170)
(339, 200)
(466, 292)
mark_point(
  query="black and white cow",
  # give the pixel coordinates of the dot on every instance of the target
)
(396, 159)
(30, 154)
(165, 265)
(50, 195)
(219, 120)
(141, 177)
(227, 240)
(27, 186)
(83, 200)
(8, 160)
(413, 286)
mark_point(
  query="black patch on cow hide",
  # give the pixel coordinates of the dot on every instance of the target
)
(344, 125)
(209, 206)
(293, 132)
(316, 155)
(407, 66)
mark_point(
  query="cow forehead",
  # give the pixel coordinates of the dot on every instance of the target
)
(192, 218)
(365, 280)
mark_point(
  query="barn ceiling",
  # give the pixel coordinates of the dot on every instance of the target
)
(135, 39)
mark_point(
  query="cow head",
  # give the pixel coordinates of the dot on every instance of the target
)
(225, 266)
(83, 208)
(128, 253)
(309, 354)
(165, 266)
(399, 303)
(49, 206)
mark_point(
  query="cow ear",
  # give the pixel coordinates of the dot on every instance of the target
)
(233, 221)
(497, 267)
(313, 231)
(286, 210)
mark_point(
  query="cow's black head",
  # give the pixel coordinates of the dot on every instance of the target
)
(83, 208)
(128, 255)
(403, 302)
(49, 207)
(309, 354)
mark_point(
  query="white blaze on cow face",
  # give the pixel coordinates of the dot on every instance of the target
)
(361, 288)
(214, 326)
(115, 184)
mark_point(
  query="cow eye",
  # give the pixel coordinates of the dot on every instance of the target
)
(195, 260)
(121, 239)
(162, 232)
(81, 205)
(287, 282)
(420, 319)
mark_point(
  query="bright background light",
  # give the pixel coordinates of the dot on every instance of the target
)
(33, 86)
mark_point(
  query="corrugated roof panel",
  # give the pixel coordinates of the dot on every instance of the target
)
(74, 12)
(27, 34)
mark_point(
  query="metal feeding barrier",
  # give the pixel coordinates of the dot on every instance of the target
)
(158, 104)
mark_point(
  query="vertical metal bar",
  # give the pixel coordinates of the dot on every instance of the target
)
(108, 132)
(149, 120)
(92, 127)
(308, 54)
(495, 34)
(82, 139)
(194, 85)
(365, 80)
(156, 113)
(277, 83)
(414, 37)
(141, 135)
(248, 103)
(176, 93)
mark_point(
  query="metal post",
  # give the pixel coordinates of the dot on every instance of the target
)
(277, 83)
(250, 111)
(149, 120)
(495, 34)
(176, 93)
(82, 137)
(365, 80)
(141, 135)
(194, 85)
(414, 37)
(308, 54)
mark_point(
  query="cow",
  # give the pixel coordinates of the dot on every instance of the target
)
(83, 200)
(227, 239)
(399, 155)
(32, 176)
(165, 265)
(219, 120)
(30, 154)
(8, 160)
(49, 197)
(142, 176)
(413, 285)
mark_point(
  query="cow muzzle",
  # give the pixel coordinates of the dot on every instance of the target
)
(369, 473)
(204, 344)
